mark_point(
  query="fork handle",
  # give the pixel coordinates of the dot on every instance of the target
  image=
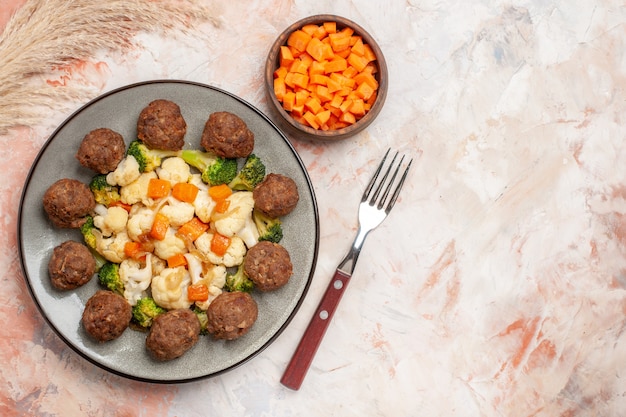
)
(303, 356)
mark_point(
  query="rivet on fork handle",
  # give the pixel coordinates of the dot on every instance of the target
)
(371, 214)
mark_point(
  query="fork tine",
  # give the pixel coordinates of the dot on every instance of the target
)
(396, 192)
(381, 203)
(382, 181)
(369, 187)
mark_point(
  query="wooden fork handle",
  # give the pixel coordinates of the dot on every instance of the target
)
(303, 356)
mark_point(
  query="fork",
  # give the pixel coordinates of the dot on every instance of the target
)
(377, 201)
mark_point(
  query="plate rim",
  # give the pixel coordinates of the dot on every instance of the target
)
(21, 249)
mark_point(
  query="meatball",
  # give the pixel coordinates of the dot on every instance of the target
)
(172, 334)
(226, 135)
(268, 265)
(71, 265)
(67, 202)
(106, 315)
(101, 150)
(277, 195)
(231, 315)
(162, 126)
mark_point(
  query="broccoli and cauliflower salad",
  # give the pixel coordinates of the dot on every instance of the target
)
(172, 229)
(160, 225)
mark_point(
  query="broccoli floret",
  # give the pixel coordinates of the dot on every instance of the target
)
(87, 231)
(109, 276)
(103, 192)
(238, 281)
(148, 159)
(215, 170)
(252, 173)
(270, 229)
(90, 240)
(145, 311)
(203, 318)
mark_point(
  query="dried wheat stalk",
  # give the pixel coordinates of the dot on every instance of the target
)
(45, 34)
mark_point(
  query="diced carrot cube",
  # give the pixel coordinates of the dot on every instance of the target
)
(316, 67)
(298, 66)
(315, 48)
(358, 62)
(364, 91)
(333, 85)
(369, 53)
(336, 101)
(371, 68)
(322, 117)
(289, 99)
(323, 94)
(336, 65)
(330, 27)
(220, 244)
(372, 99)
(280, 72)
(339, 41)
(318, 79)
(301, 97)
(288, 80)
(347, 117)
(297, 110)
(310, 119)
(366, 77)
(349, 72)
(300, 80)
(306, 58)
(158, 188)
(176, 260)
(313, 104)
(343, 54)
(286, 57)
(345, 105)
(280, 88)
(294, 51)
(159, 227)
(357, 108)
(310, 29)
(342, 80)
(185, 191)
(327, 51)
(347, 31)
(354, 39)
(299, 40)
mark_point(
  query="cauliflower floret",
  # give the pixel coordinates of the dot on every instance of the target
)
(139, 221)
(170, 246)
(169, 288)
(249, 233)
(136, 279)
(158, 265)
(240, 208)
(112, 248)
(137, 191)
(174, 170)
(126, 172)
(204, 205)
(178, 212)
(234, 254)
(113, 221)
(196, 179)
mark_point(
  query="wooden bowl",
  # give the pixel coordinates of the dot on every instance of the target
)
(297, 128)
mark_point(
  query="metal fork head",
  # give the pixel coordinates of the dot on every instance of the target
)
(377, 193)
(378, 199)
